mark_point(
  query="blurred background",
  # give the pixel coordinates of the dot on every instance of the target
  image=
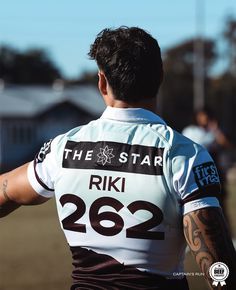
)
(48, 85)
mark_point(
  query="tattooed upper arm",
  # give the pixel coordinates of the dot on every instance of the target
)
(209, 240)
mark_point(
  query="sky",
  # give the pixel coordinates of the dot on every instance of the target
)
(66, 28)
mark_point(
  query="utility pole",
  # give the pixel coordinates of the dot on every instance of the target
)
(198, 70)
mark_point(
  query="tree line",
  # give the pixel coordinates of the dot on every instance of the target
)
(35, 66)
(219, 87)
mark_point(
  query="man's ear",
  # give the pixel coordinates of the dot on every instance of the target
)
(102, 83)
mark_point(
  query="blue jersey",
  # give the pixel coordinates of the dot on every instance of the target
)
(122, 184)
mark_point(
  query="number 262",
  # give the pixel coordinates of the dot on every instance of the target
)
(139, 231)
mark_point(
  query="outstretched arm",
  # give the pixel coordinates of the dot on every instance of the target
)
(209, 240)
(15, 190)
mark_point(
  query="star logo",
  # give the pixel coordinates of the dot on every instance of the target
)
(105, 155)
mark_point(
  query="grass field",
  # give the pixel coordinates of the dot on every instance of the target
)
(34, 255)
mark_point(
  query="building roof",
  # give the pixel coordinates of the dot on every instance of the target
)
(29, 101)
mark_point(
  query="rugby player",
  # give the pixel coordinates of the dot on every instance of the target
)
(130, 191)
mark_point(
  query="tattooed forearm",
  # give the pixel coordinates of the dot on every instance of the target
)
(6, 204)
(197, 241)
(209, 240)
(4, 189)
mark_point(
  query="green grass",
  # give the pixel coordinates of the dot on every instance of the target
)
(34, 254)
(33, 250)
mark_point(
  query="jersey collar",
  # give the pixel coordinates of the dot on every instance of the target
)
(137, 115)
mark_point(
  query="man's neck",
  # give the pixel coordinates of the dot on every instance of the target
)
(148, 105)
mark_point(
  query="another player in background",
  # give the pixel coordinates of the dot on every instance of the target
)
(206, 131)
(130, 191)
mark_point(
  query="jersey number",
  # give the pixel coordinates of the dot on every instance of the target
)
(139, 231)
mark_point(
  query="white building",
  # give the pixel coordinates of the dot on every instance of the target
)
(30, 115)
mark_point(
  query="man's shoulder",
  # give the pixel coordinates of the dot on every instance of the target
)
(171, 137)
(60, 140)
(74, 132)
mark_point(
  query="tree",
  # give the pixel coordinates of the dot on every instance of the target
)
(33, 66)
(7, 62)
(229, 35)
(222, 95)
(177, 89)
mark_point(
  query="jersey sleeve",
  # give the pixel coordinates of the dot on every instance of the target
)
(194, 177)
(43, 169)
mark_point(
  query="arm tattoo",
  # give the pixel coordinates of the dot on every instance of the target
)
(208, 238)
(196, 240)
(4, 189)
(6, 205)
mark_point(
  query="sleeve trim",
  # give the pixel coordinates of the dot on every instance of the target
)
(208, 191)
(35, 184)
(39, 180)
(200, 203)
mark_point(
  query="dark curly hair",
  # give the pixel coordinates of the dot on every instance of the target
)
(131, 61)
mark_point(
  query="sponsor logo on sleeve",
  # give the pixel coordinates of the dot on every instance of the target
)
(113, 156)
(45, 149)
(206, 174)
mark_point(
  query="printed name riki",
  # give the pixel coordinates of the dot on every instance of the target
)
(108, 183)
